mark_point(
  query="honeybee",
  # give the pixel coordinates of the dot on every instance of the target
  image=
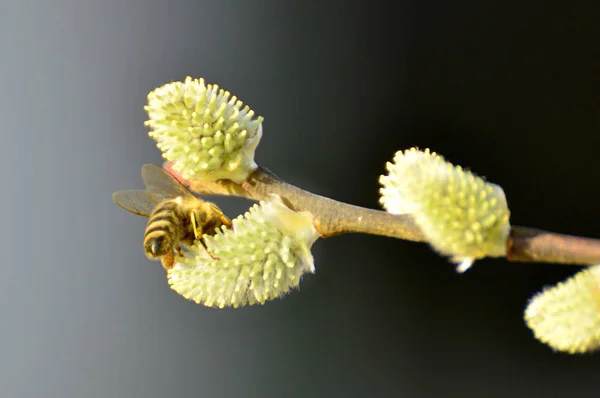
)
(175, 215)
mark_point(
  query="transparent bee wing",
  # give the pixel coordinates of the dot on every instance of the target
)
(159, 181)
(160, 186)
(138, 201)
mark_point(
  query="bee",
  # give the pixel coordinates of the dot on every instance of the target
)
(175, 215)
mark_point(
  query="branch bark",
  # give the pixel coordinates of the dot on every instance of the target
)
(332, 218)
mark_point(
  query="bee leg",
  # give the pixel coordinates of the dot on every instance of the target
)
(201, 240)
(167, 261)
(198, 235)
(195, 228)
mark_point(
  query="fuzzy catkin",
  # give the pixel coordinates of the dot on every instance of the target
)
(205, 131)
(462, 216)
(261, 258)
(567, 316)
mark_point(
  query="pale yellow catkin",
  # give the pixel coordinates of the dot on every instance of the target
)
(206, 132)
(462, 216)
(567, 316)
(262, 258)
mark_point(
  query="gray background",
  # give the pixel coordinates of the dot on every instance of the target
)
(507, 88)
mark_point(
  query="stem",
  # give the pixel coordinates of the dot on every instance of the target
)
(333, 218)
(538, 246)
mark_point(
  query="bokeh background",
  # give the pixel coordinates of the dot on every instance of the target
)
(509, 89)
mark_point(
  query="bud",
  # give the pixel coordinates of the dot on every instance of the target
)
(461, 215)
(203, 130)
(261, 258)
(567, 316)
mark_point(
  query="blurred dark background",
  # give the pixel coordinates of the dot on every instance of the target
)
(506, 88)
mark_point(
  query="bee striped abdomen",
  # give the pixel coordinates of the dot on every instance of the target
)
(163, 229)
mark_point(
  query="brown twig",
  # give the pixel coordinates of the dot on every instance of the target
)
(334, 218)
(538, 246)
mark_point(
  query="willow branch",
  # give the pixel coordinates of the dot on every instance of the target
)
(333, 218)
(538, 246)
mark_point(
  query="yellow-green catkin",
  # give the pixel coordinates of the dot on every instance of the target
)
(205, 131)
(567, 316)
(462, 216)
(261, 258)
